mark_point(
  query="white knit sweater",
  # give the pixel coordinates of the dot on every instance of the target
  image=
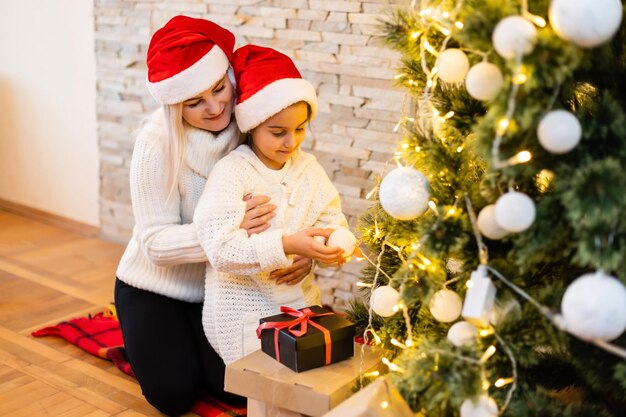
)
(238, 290)
(164, 255)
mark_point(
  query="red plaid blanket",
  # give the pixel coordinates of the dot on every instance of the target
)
(101, 336)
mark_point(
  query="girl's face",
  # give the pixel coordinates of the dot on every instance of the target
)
(275, 140)
(212, 109)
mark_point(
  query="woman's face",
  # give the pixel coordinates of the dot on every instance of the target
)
(212, 109)
(275, 140)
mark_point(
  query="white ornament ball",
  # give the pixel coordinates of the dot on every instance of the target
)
(488, 225)
(445, 306)
(514, 35)
(383, 300)
(344, 239)
(452, 65)
(404, 193)
(585, 23)
(594, 307)
(484, 407)
(484, 80)
(515, 211)
(559, 131)
(462, 333)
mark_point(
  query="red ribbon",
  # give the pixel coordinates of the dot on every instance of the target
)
(302, 318)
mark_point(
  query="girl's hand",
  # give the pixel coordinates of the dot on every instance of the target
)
(292, 275)
(258, 214)
(303, 243)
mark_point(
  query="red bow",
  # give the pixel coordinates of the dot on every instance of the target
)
(302, 318)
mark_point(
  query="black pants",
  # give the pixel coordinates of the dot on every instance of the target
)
(168, 351)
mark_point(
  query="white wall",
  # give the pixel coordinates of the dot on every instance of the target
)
(48, 137)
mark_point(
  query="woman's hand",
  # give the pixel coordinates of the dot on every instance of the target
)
(292, 275)
(258, 214)
(303, 243)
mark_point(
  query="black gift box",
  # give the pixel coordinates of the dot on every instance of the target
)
(309, 350)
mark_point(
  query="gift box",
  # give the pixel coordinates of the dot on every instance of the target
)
(307, 338)
(274, 390)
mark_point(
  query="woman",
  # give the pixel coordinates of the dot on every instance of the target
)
(160, 278)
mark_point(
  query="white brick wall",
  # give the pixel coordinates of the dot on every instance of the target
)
(334, 44)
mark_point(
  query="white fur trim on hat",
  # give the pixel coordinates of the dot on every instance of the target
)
(273, 98)
(193, 80)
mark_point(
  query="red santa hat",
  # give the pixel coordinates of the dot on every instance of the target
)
(186, 57)
(267, 82)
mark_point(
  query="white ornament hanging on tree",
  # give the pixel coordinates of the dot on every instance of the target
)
(514, 35)
(487, 224)
(484, 80)
(445, 306)
(452, 65)
(485, 406)
(344, 239)
(479, 299)
(559, 131)
(585, 23)
(462, 333)
(404, 193)
(383, 300)
(515, 211)
(594, 307)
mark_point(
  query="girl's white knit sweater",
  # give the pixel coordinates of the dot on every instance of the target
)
(238, 291)
(164, 255)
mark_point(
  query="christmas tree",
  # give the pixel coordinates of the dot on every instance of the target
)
(496, 246)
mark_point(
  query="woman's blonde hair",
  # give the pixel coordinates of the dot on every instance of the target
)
(174, 146)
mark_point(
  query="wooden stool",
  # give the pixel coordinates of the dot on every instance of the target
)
(273, 390)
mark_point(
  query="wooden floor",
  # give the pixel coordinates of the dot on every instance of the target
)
(48, 274)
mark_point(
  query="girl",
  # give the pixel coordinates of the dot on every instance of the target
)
(160, 278)
(274, 106)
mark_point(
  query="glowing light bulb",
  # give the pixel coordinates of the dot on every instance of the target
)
(503, 381)
(486, 332)
(503, 125)
(537, 20)
(429, 47)
(519, 78)
(524, 156)
(398, 343)
(488, 353)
